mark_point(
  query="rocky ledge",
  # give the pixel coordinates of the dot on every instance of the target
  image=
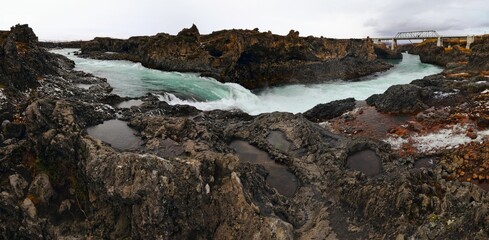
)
(228, 175)
(251, 58)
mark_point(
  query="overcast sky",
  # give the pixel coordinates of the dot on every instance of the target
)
(85, 19)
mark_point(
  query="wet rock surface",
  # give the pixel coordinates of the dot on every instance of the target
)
(117, 134)
(326, 111)
(365, 161)
(251, 58)
(185, 181)
(278, 176)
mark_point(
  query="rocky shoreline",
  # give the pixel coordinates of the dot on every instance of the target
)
(251, 58)
(190, 178)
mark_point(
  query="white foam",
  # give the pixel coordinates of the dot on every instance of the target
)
(443, 139)
(133, 80)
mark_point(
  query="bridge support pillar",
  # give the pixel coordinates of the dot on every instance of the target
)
(470, 40)
(439, 43)
(394, 44)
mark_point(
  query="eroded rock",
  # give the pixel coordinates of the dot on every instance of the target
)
(18, 184)
(326, 111)
(41, 188)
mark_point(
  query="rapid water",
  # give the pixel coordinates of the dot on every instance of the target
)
(133, 80)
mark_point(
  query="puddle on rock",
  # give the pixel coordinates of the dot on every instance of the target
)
(366, 161)
(278, 177)
(84, 86)
(424, 163)
(130, 103)
(117, 134)
(279, 141)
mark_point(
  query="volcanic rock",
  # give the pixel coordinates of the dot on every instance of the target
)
(441, 56)
(383, 52)
(326, 111)
(250, 58)
(406, 98)
(22, 62)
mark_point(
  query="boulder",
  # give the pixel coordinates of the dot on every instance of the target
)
(41, 188)
(18, 184)
(325, 111)
(401, 99)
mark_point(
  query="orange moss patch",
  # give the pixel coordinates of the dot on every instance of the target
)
(34, 199)
(468, 163)
(464, 75)
(368, 122)
(484, 73)
(21, 47)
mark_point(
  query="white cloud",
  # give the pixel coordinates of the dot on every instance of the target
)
(85, 19)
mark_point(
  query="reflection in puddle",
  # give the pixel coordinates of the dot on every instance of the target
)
(279, 176)
(116, 133)
(278, 140)
(366, 161)
(424, 163)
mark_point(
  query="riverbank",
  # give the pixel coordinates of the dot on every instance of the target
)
(193, 173)
(133, 80)
(250, 58)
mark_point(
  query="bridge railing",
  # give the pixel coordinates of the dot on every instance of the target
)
(417, 35)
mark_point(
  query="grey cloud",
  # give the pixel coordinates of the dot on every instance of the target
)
(61, 19)
(446, 17)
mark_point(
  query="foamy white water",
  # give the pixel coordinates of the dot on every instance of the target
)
(133, 80)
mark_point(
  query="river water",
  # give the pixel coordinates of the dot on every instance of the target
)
(133, 80)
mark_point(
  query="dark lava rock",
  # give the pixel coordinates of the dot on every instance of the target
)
(383, 52)
(13, 130)
(429, 53)
(365, 161)
(247, 57)
(479, 59)
(406, 98)
(325, 111)
(22, 62)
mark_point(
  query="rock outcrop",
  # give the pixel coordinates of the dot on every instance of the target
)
(248, 57)
(326, 111)
(384, 52)
(22, 62)
(441, 56)
(186, 181)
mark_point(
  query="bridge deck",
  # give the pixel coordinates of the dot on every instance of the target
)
(414, 38)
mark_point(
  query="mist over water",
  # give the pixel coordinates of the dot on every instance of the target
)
(133, 80)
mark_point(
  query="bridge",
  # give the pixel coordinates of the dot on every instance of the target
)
(423, 35)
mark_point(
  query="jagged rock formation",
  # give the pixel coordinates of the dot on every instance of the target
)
(248, 57)
(464, 76)
(186, 182)
(326, 111)
(441, 56)
(383, 52)
(22, 62)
